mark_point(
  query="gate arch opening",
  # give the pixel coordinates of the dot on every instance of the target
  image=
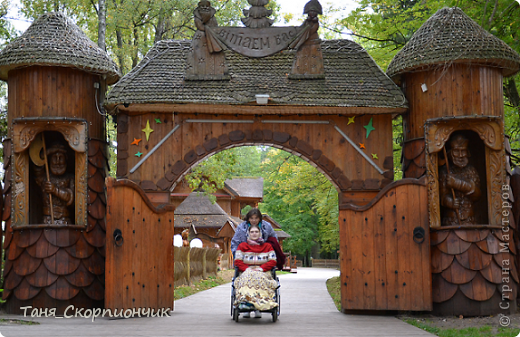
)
(326, 167)
(300, 198)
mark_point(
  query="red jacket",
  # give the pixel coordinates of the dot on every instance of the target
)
(249, 256)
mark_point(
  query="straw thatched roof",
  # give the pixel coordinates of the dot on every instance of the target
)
(449, 36)
(54, 40)
(352, 79)
(246, 187)
(198, 204)
(198, 211)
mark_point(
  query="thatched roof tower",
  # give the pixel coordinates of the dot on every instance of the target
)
(54, 40)
(450, 36)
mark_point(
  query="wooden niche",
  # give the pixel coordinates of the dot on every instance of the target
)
(487, 155)
(27, 209)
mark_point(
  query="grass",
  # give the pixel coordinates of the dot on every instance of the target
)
(483, 331)
(9, 321)
(210, 282)
(334, 288)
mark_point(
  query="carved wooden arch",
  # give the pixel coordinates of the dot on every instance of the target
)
(281, 140)
(490, 130)
(24, 130)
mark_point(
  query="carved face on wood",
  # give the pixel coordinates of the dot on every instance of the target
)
(205, 11)
(459, 151)
(57, 160)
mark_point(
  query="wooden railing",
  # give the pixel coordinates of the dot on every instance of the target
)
(325, 263)
(194, 264)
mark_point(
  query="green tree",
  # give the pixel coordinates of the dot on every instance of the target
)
(211, 173)
(383, 27)
(302, 200)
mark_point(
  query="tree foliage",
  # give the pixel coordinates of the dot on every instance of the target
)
(302, 200)
(133, 26)
(383, 27)
(211, 173)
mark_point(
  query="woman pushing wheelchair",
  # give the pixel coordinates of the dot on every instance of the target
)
(255, 289)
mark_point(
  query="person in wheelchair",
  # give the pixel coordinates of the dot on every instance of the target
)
(255, 287)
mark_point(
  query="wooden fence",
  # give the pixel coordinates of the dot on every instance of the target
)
(325, 263)
(194, 264)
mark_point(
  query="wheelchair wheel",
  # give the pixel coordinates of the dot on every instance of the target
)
(236, 314)
(233, 309)
(275, 315)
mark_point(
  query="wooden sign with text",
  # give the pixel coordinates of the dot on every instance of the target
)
(255, 42)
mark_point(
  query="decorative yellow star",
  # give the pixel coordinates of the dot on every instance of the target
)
(361, 145)
(374, 156)
(147, 130)
(136, 141)
(351, 120)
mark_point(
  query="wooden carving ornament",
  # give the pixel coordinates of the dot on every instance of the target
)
(438, 131)
(487, 132)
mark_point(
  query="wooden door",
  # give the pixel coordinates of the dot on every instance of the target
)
(139, 258)
(384, 266)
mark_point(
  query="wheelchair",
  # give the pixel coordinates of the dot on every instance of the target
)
(236, 310)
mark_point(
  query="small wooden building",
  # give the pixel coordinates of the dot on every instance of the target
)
(206, 221)
(56, 78)
(244, 192)
(236, 194)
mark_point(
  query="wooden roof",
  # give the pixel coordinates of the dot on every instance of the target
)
(352, 80)
(198, 211)
(449, 36)
(198, 204)
(246, 187)
(54, 40)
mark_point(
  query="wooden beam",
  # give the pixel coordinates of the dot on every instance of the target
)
(226, 109)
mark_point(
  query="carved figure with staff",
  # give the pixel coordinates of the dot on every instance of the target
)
(459, 185)
(56, 184)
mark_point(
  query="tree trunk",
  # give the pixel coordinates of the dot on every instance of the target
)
(159, 30)
(120, 56)
(135, 57)
(511, 92)
(102, 24)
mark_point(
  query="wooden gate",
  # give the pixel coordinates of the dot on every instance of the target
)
(385, 251)
(139, 249)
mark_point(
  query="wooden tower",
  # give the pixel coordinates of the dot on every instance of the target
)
(451, 72)
(56, 78)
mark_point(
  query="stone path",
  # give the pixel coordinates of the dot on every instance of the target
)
(306, 310)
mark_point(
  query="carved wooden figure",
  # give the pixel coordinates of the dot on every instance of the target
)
(308, 62)
(58, 187)
(206, 60)
(459, 185)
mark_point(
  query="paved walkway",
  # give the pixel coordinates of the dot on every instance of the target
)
(306, 310)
